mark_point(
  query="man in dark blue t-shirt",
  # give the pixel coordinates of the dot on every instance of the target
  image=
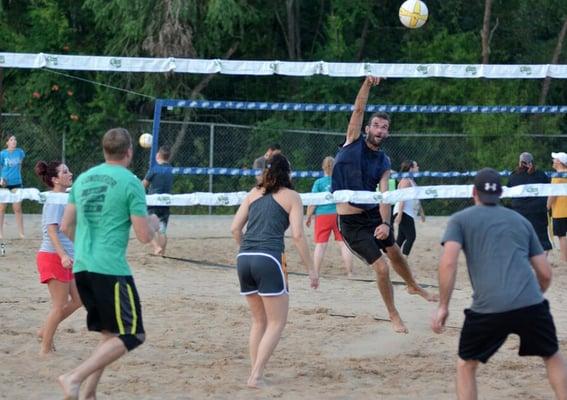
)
(360, 164)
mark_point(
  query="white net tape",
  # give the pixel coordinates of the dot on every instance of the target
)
(340, 196)
(274, 67)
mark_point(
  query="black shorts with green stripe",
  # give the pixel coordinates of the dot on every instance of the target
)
(112, 303)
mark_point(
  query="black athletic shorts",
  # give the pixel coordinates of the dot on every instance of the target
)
(112, 303)
(162, 212)
(539, 222)
(483, 334)
(560, 227)
(262, 272)
(358, 234)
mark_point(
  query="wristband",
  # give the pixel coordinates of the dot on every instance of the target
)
(387, 223)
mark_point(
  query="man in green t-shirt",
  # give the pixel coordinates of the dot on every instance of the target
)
(104, 203)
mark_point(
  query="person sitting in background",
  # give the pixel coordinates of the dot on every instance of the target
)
(534, 209)
(326, 221)
(159, 183)
(558, 204)
(406, 211)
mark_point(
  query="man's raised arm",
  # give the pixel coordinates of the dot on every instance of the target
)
(357, 117)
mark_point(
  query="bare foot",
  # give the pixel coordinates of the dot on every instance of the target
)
(433, 297)
(158, 251)
(46, 351)
(256, 383)
(70, 388)
(39, 334)
(398, 324)
(22, 236)
(45, 354)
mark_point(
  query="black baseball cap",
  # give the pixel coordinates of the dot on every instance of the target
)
(488, 186)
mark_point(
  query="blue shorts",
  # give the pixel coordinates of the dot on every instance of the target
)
(262, 272)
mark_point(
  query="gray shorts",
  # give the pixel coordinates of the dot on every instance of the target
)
(262, 272)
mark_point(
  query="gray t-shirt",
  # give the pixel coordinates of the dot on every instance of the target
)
(498, 243)
(52, 215)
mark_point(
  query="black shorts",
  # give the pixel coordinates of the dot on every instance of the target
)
(162, 212)
(112, 303)
(560, 227)
(539, 222)
(358, 234)
(483, 334)
(262, 272)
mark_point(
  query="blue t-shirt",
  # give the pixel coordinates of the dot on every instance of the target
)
(11, 166)
(323, 185)
(160, 182)
(357, 167)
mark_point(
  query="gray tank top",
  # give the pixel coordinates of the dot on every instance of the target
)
(267, 223)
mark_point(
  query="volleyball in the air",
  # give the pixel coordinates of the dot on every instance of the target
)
(413, 13)
(145, 140)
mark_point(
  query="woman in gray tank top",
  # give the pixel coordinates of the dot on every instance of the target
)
(268, 210)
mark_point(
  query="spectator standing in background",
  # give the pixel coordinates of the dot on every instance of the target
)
(11, 160)
(534, 209)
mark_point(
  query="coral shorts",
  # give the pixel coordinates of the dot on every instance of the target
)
(324, 225)
(49, 267)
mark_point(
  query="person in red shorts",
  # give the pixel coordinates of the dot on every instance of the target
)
(55, 255)
(326, 222)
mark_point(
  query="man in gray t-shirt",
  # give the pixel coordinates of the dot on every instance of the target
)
(502, 253)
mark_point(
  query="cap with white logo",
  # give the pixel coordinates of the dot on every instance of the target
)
(488, 186)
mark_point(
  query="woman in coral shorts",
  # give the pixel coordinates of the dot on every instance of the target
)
(55, 255)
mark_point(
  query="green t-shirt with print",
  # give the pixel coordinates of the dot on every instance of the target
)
(105, 197)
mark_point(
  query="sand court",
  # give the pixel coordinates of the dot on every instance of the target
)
(336, 344)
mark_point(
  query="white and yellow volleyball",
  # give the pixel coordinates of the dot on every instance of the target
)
(145, 140)
(413, 13)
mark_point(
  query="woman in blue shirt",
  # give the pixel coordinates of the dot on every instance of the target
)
(11, 178)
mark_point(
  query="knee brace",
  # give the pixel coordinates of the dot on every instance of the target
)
(132, 341)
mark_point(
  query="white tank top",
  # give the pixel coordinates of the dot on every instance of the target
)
(411, 207)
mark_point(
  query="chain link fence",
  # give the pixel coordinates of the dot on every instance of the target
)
(237, 146)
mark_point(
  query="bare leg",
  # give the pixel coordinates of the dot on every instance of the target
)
(400, 264)
(2, 213)
(59, 293)
(106, 353)
(466, 379)
(70, 306)
(347, 257)
(91, 382)
(318, 255)
(563, 247)
(387, 293)
(17, 207)
(557, 375)
(258, 325)
(276, 313)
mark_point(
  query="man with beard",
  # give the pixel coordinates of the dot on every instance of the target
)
(360, 164)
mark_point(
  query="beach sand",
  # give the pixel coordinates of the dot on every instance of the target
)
(336, 344)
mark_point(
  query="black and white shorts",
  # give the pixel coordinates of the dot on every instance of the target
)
(262, 272)
(484, 334)
(358, 234)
